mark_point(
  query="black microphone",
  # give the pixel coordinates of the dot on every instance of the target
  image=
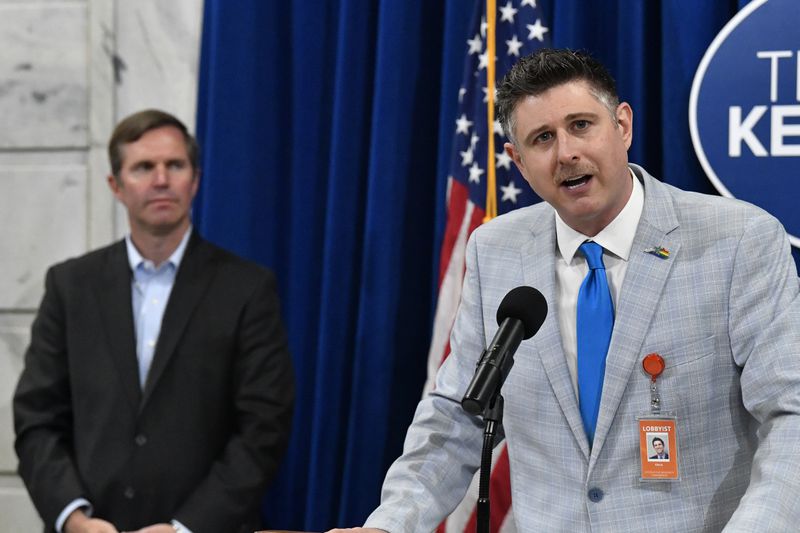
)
(520, 315)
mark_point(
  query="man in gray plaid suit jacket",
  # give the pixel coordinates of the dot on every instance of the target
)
(706, 282)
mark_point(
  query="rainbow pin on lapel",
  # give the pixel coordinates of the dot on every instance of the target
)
(658, 251)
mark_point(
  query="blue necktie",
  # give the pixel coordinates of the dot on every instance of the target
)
(595, 323)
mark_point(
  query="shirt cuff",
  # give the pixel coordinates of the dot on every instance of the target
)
(74, 504)
(180, 528)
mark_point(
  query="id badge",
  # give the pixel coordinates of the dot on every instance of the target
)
(658, 433)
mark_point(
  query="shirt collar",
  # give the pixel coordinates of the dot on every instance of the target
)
(617, 237)
(135, 258)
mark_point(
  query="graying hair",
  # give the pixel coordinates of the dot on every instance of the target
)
(547, 68)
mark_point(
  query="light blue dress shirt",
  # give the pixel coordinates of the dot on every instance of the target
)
(151, 286)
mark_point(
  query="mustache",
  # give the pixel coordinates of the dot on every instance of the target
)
(567, 173)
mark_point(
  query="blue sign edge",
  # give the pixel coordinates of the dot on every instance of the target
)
(745, 12)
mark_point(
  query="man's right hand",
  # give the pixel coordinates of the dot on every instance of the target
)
(358, 530)
(78, 522)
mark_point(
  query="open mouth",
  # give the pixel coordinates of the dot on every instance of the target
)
(577, 181)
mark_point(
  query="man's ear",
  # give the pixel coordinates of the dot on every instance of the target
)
(114, 185)
(512, 151)
(625, 123)
(196, 184)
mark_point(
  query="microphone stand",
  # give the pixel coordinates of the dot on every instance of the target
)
(483, 392)
(492, 418)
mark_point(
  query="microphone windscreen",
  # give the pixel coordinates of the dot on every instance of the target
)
(525, 304)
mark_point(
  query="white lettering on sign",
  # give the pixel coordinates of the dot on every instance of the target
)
(773, 56)
(780, 129)
(739, 131)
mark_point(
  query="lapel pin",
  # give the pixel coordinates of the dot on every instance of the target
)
(658, 251)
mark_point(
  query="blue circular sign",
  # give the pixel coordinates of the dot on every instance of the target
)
(744, 110)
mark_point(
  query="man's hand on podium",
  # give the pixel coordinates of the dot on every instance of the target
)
(157, 528)
(358, 530)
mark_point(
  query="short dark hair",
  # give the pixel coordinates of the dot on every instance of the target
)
(131, 129)
(547, 68)
(659, 439)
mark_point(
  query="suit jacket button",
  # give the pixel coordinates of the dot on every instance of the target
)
(140, 440)
(595, 494)
(129, 493)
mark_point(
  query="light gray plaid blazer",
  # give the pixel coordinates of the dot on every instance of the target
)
(724, 312)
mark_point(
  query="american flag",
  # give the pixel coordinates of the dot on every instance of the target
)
(519, 28)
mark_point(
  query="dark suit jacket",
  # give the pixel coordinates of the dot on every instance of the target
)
(666, 456)
(204, 437)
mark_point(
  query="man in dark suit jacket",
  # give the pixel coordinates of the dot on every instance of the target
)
(158, 389)
(658, 447)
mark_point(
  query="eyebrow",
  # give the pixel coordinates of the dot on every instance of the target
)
(582, 114)
(152, 161)
(567, 118)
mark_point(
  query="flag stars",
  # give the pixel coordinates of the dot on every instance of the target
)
(475, 45)
(475, 173)
(507, 12)
(463, 124)
(519, 28)
(536, 30)
(466, 157)
(497, 127)
(503, 160)
(513, 46)
(483, 60)
(510, 192)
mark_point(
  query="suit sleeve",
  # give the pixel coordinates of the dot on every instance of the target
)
(263, 401)
(764, 326)
(443, 445)
(43, 412)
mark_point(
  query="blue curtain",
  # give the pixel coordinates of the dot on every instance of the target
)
(326, 128)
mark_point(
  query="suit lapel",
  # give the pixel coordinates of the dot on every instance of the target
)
(113, 295)
(641, 293)
(191, 281)
(538, 266)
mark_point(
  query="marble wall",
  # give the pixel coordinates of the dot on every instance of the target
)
(70, 69)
